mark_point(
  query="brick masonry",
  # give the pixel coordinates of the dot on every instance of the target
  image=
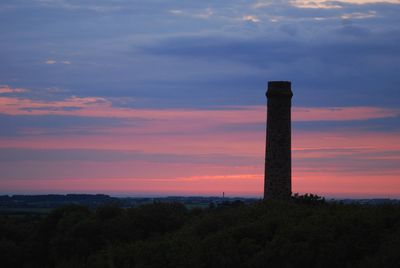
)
(278, 156)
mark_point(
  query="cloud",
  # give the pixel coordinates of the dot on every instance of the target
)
(7, 89)
(24, 106)
(318, 4)
(327, 4)
(359, 15)
(50, 62)
(101, 107)
(201, 14)
(280, 49)
(343, 65)
(315, 4)
(342, 113)
(101, 155)
(262, 4)
(176, 11)
(162, 54)
(101, 7)
(251, 18)
(25, 125)
(339, 159)
(325, 163)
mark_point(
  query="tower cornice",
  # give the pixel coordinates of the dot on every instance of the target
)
(279, 89)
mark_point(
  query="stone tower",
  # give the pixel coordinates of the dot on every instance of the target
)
(278, 155)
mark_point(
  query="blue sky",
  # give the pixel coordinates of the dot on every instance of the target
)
(159, 56)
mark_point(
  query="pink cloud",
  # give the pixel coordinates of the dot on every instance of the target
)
(336, 184)
(101, 107)
(320, 157)
(8, 89)
(322, 183)
(335, 163)
(345, 140)
(135, 187)
(342, 113)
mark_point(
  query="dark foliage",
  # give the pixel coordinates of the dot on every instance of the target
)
(303, 232)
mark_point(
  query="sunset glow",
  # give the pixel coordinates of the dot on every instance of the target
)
(148, 98)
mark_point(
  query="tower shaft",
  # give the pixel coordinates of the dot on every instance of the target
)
(278, 156)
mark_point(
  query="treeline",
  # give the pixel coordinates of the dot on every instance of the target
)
(54, 200)
(304, 232)
(50, 201)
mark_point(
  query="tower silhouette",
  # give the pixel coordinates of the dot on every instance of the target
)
(278, 155)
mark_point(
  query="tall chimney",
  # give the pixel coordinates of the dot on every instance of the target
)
(278, 156)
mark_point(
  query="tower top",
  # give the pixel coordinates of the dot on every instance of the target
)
(279, 89)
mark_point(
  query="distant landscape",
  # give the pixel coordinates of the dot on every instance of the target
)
(44, 204)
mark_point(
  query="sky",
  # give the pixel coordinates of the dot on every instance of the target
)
(157, 97)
